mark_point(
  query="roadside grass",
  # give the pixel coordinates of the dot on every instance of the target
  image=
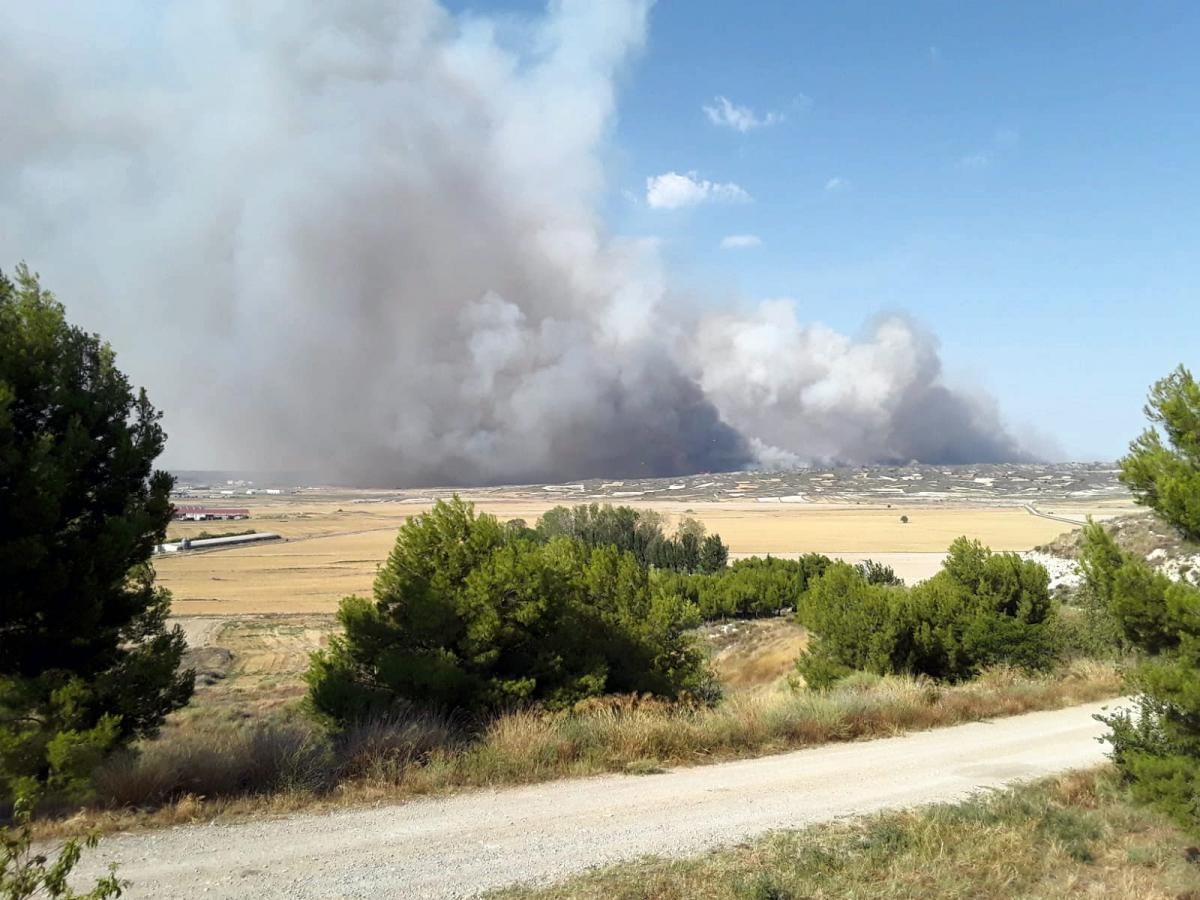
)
(210, 767)
(1075, 835)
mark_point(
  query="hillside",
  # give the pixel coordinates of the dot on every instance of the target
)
(1145, 535)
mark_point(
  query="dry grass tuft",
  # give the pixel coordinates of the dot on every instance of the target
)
(755, 654)
(229, 762)
(384, 749)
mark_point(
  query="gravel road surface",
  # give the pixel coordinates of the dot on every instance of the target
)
(462, 845)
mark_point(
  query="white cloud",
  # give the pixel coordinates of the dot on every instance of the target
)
(740, 241)
(837, 183)
(975, 161)
(672, 191)
(740, 118)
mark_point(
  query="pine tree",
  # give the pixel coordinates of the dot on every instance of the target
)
(86, 660)
(1166, 477)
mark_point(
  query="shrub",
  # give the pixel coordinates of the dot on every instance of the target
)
(1157, 744)
(982, 609)
(25, 873)
(855, 627)
(757, 586)
(995, 609)
(465, 618)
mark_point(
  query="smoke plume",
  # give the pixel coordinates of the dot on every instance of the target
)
(361, 237)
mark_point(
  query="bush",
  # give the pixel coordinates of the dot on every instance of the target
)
(210, 535)
(753, 587)
(25, 873)
(1157, 744)
(855, 626)
(982, 609)
(465, 618)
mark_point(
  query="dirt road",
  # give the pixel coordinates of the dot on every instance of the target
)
(462, 845)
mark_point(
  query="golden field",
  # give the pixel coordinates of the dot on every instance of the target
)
(332, 546)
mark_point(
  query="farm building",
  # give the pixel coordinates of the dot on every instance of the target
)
(219, 543)
(209, 513)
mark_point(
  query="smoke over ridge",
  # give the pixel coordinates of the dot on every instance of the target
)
(361, 237)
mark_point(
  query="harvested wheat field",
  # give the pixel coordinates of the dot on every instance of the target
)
(332, 547)
(251, 665)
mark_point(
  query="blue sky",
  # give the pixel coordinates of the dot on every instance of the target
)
(1021, 177)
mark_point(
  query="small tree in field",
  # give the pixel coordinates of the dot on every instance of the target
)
(1166, 477)
(86, 661)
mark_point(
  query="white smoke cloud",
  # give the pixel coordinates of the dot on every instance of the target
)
(360, 238)
(808, 391)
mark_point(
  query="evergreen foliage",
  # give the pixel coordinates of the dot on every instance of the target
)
(86, 661)
(464, 616)
(714, 555)
(750, 588)
(879, 573)
(981, 609)
(1157, 745)
(639, 532)
(1166, 477)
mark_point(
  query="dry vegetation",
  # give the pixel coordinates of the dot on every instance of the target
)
(333, 547)
(754, 654)
(211, 764)
(1074, 836)
(252, 666)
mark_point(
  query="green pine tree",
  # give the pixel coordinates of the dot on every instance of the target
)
(86, 661)
(1166, 476)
